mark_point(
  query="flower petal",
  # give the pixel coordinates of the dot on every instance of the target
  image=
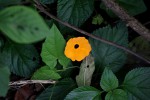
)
(77, 52)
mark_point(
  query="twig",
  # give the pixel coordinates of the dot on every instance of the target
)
(131, 21)
(42, 9)
(16, 83)
(147, 23)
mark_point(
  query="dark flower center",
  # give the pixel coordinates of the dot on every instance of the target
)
(76, 46)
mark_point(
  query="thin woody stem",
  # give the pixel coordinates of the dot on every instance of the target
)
(16, 83)
(42, 9)
(131, 21)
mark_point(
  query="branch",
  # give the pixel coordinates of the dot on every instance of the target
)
(131, 21)
(42, 9)
(16, 83)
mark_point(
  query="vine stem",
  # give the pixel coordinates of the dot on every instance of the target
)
(23, 82)
(42, 9)
(131, 21)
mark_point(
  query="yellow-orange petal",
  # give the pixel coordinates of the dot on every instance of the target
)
(77, 48)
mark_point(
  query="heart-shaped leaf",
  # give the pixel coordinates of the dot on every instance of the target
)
(137, 83)
(117, 94)
(22, 24)
(75, 12)
(84, 93)
(45, 73)
(21, 59)
(107, 55)
(53, 49)
(58, 91)
(108, 80)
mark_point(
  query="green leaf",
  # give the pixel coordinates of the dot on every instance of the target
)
(9, 2)
(47, 1)
(84, 93)
(22, 24)
(131, 97)
(86, 71)
(137, 83)
(21, 59)
(97, 20)
(45, 73)
(58, 91)
(53, 49)
(132, 7)
(1, 42)
(107, 55)
(117, 94)
(108, 80)
(4, 79)
(140, 46)
(75, 12)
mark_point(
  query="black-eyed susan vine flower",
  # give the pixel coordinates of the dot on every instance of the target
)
(77, 48)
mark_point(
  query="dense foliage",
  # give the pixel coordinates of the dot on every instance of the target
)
(32, 47)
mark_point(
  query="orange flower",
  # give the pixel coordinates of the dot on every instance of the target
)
(77, 48)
